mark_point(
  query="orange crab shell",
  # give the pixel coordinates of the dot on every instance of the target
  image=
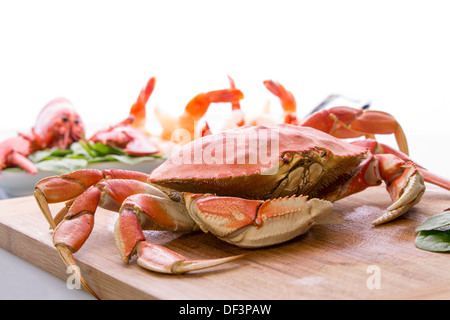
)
(222, 163)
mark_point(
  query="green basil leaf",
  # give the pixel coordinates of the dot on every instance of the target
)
(131, 160)
(40, 155)
(60, 153)
(78, 149)
(80, 154)
(435, 222)
(107, 158)
(76, 156)
(433, 240)
(88, 149)
(61, 166)
(103, 149)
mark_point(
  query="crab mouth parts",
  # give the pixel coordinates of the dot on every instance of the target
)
(329, 187)
(322, 181)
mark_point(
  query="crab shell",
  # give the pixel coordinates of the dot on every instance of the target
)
(254, 162)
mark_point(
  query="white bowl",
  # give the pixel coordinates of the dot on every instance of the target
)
(19, 183)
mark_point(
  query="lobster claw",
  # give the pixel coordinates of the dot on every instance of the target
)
(13, 153)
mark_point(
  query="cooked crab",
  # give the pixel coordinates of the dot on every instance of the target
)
(251, 186)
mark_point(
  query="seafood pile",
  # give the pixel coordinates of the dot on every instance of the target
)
(257, 182)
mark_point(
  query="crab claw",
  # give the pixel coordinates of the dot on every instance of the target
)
(255, 223)
(404, 183)
(160, 259)
(347, 122)
(406, 190)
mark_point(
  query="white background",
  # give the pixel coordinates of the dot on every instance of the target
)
(99, 54)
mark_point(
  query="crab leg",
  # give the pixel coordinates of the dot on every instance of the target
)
(74, 230)
(380, 148)
(86, 190)
(405, 185)
(243, 222)
(68, 186)
(156, 213)
(346, 122)
(160, 259)
(404, 182)
(287, 101)
(110, 189)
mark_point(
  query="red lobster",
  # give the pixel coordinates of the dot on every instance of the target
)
(57, 125)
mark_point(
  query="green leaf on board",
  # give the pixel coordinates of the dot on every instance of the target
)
(433, 240)
(434, 233)
(437, 221)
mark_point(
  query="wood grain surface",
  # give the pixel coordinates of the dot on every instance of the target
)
(344, 258)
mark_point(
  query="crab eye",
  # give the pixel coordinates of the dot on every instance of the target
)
(323, 153)
(64, 119)
(77, 121)
(287, 157)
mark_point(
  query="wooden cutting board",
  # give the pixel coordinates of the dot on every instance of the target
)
(348, 259)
